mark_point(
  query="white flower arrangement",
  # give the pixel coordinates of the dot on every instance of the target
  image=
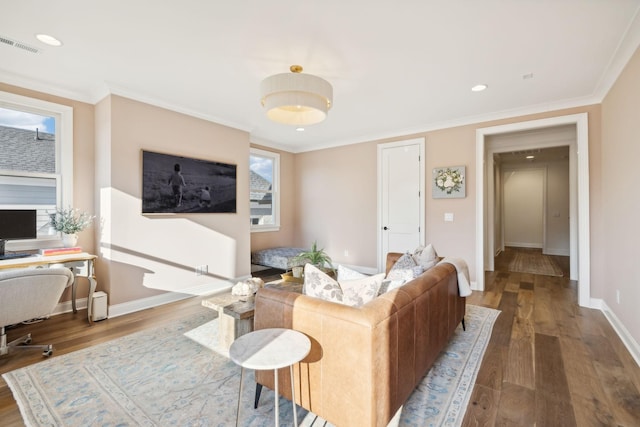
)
(449, 180)
(70, 221)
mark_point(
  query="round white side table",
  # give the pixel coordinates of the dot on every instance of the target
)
(265, 349)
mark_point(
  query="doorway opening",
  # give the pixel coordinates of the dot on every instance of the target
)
(579, 191)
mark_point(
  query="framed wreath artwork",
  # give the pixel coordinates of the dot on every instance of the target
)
(449, 182)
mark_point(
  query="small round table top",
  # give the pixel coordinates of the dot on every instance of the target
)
(273, 348)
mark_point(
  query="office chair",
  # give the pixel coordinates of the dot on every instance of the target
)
(26, 294)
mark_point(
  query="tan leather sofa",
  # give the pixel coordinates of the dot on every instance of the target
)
(364, 362)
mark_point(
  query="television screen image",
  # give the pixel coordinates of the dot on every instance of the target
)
(175, 184)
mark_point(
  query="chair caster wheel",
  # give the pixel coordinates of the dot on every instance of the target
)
(27, 341)
(48, 352)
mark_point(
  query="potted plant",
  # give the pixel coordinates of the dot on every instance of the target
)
(70, 222)
(315, 256)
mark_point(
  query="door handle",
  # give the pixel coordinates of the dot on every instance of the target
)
(385, 228)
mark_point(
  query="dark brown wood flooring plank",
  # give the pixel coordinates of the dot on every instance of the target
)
(519, 369)
(553, 412)
(517, 406)
(483, 407)
(550, 373)
(543, 318)
(624, 398)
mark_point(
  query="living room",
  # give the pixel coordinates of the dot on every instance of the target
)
(326, 194)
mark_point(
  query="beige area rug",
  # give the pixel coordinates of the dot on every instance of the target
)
(169, 376)
(534, 263)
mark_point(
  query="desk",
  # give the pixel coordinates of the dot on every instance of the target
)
(81, 264)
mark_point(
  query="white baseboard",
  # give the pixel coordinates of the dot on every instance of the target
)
(629, 342)
(556, 252)
(144, 303)
(166, 298)
(523, 245)
(360, 269)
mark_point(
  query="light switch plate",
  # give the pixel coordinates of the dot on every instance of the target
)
(448, 217)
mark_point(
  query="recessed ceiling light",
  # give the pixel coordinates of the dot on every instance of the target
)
(300, 129)
(531, 157)
(479, 88)
(50, 40)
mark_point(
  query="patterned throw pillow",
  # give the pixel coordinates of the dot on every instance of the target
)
(404, 270)
(425, 256)
(354, 292)
(345, 273)
(318, 284)
(358, 292)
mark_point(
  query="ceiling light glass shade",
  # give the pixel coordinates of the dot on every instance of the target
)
(296, 99)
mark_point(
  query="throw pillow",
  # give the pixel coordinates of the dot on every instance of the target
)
(318, 284)
(354, 292)
(345, 273)
(403, 269)
(358, 292)
(425, 256)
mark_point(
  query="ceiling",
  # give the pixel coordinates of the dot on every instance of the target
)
(396, 67)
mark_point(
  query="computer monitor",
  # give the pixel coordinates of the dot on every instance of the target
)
(17, 224)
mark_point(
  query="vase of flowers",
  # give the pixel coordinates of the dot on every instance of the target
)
(70, 222)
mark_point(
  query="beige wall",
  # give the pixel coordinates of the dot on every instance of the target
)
(620, 201)
(337, 196)
(141, 256)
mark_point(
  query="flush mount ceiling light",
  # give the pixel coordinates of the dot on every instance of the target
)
(50, 40)
(296, 99)
(479, 88)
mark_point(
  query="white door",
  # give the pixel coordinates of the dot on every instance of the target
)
(401, 195)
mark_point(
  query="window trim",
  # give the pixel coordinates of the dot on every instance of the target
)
(63, 115)
(275, 191)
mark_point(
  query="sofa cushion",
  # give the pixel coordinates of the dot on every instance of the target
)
(354, 292)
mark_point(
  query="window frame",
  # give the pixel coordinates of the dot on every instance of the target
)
(275, 191)
(63, 116)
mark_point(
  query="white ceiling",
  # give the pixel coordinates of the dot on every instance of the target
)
(396, 67)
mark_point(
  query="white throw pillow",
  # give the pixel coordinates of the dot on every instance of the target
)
(345, 273)
(426, 256)
(355, 292)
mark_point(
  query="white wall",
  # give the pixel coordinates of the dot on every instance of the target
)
(523, 206)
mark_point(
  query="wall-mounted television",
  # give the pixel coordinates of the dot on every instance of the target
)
(177, 184)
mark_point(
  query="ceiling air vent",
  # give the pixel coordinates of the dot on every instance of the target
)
(18, 45)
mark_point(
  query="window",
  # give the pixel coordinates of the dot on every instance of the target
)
(264, 174)
(36, 159)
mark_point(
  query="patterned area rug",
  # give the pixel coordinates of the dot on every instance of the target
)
(171, 376)
(535, 263)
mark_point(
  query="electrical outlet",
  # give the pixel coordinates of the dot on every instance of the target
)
(201, 270)
(346, 252)
(618, 296)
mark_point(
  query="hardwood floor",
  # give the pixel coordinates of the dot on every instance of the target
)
(549, 362)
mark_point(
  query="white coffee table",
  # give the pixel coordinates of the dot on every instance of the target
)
(265, 349)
